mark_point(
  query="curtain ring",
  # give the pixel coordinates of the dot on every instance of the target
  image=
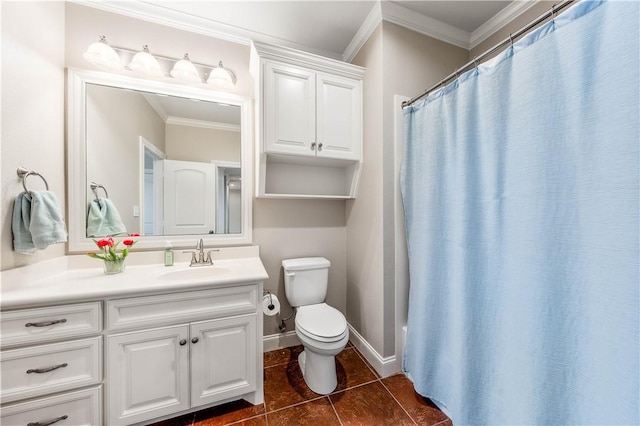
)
(475, 61)
(511, 39)
(553, 12)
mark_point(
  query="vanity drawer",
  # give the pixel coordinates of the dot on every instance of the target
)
(37, 370)
(73, 408)
(175, 308)
(28, 326)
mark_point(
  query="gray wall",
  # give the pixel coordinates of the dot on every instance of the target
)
(399, 62)
(32, 111)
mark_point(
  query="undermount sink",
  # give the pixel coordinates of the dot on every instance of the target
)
(195, 273)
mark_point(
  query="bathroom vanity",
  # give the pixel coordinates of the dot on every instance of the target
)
(151, 343)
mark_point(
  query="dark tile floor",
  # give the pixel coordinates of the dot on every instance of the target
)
(361, 398)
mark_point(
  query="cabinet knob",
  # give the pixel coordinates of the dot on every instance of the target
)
(313, 146)
(183, 342)
(320, 146)
(194, 340)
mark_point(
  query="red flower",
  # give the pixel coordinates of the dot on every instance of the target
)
(134, 234)
(128, 242)
(105, 243)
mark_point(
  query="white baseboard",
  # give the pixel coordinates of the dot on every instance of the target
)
(385, 367)
(273, 342)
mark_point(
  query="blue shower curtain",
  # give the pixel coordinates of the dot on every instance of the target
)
(520, 188)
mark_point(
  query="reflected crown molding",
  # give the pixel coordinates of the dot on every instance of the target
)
(181, 121)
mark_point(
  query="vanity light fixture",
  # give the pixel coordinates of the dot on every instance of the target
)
(101, 54)
(145, 63)
(185, 71)
(222, 77)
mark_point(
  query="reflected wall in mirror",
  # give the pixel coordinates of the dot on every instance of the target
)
(182, 152)
(164, 160)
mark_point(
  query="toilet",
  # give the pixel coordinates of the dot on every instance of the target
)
(322, 329)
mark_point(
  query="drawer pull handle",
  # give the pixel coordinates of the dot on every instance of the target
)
(48, 422)
(45, 323)
(46, 370)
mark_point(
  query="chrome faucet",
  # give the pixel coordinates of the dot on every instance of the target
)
(200, 260)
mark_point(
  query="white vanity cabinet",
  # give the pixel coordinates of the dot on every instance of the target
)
(206, 353)
(309, 124)
(51, 365)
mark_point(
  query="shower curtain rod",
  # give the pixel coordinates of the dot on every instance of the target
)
(474, 63)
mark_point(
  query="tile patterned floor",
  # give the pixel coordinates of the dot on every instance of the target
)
(361, 398)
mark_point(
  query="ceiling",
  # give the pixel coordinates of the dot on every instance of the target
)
(333, 28)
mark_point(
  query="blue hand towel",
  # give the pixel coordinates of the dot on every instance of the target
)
(47, 224)
(22, 241)
(103, 219)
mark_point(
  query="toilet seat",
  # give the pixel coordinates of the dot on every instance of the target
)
(321, 322)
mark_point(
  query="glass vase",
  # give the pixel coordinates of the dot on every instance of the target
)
(113, 266)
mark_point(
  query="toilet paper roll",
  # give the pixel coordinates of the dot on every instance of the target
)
(270, 305)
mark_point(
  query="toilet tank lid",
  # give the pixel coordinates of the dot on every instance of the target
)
(304, 263)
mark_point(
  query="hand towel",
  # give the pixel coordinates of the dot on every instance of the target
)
(47, 224)
(103, 219)
(22, 241)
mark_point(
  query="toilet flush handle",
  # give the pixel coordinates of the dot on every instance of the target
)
(290, 274)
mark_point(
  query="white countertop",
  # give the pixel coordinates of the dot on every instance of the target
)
(78, 278)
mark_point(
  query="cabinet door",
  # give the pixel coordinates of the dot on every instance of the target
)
(148, 374)
(289, 110)
(339, 119)
(223, 359)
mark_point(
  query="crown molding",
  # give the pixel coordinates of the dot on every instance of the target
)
(501, 19)
(162, 15)
(308, 60)
(396, 14)
(365, 31)
(399, 15)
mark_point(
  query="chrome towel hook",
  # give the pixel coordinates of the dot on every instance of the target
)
(25, 173)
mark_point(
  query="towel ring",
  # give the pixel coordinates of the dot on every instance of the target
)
(95, 186)
(24, 174)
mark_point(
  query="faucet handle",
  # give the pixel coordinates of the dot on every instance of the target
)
(209, 261)
(193, 256)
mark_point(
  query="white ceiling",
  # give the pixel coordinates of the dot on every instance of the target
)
(333, 28)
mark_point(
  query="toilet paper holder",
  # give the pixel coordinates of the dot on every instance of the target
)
(282, 326)
(271, 305)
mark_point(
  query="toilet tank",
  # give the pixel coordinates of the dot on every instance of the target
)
(306, 280)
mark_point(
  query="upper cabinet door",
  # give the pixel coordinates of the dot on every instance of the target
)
(339, 117)
(290, 112)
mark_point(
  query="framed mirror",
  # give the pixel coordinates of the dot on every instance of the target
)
(167, 161)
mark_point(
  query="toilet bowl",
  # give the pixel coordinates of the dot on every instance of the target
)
(323, 332)
(322, 329)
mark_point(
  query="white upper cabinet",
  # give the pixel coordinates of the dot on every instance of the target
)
(290, 109)
(309, 124)
(311, 114)
(338, 117)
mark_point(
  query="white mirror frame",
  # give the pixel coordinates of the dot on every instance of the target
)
(77, 153)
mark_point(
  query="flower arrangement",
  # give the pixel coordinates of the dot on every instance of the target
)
(109, 249)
